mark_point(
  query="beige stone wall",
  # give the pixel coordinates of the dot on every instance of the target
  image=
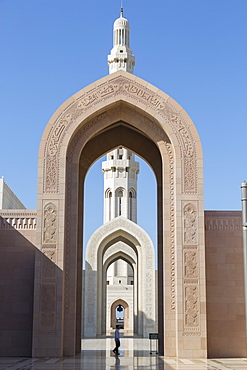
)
(224, 274)
(225, 284)
(17, 249)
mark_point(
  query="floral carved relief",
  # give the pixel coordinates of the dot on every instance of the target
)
(48, 268)
(191, 307)
(50, 224)
(190, 224)
(190, 265)
(47, 306)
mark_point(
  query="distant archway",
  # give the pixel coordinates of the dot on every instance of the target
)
(126, 314)
(119, 238)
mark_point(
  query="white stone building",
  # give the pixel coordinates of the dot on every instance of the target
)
(8, 199)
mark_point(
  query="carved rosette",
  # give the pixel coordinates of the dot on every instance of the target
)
(120, 86)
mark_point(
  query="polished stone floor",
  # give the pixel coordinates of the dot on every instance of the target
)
(134, 354)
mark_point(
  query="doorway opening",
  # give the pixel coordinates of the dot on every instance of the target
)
(117, 272)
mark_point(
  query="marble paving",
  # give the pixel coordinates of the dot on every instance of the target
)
(134, 354)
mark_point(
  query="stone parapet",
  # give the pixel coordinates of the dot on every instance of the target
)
(223, 220)
(19, 220)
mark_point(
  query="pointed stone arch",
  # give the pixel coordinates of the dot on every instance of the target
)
(130, 242)
(121, 110)
(126, 313)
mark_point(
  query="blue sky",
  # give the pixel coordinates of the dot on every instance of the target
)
(194, 50)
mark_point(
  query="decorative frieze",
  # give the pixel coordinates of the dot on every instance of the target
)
(120, 86)
(223, 221)
(172, 227)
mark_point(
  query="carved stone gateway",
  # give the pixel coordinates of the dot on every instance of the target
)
(120, 110)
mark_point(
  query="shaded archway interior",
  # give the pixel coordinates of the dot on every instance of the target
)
(123, 134)
(119, 238)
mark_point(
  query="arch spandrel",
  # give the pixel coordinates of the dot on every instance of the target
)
(91, 101)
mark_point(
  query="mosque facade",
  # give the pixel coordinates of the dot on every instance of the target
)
(48, 304)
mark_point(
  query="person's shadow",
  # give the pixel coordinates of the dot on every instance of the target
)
(117, 362)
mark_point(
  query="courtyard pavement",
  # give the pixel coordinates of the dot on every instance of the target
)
(134, 354)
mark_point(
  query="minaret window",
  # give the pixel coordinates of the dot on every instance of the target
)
(110, 198)
(131, 205)
(120, 196)
(132, 195)
(108, 195)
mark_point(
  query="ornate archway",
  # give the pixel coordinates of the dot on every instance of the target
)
(121, 110)
(119, 238)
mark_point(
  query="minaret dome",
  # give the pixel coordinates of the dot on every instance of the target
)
(121, 57)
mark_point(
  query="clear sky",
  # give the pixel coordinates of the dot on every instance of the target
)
(194, 50)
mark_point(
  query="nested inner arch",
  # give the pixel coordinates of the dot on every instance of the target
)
(113, 312)
(132, 259)
(123, 134)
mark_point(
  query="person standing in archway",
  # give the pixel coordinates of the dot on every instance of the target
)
(117, 341)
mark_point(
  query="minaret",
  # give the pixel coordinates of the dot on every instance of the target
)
(121, 57)
(120, 185)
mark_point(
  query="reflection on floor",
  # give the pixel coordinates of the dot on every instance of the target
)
(134, 354)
